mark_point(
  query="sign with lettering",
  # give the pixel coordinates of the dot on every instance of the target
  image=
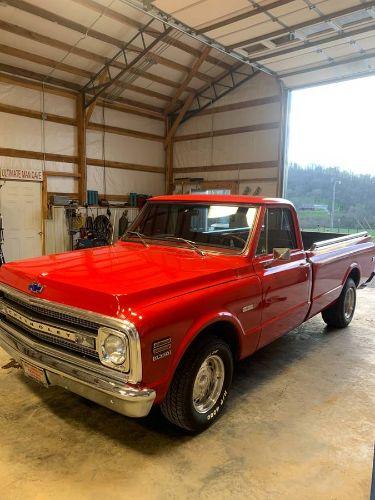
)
(21, 175)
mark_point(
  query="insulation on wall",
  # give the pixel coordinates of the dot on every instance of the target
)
(237, 139)
(37, 135)
(33, 134)
(104, 145)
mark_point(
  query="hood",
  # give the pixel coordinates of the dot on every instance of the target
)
(116, 279)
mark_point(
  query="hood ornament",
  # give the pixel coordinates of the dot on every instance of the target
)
(35, 287)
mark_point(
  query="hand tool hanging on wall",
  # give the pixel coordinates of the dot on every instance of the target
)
(123, 223)
(74, 220)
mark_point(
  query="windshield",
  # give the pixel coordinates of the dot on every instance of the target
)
(225, 227)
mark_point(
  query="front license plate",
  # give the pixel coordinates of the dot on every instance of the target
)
(36, 373)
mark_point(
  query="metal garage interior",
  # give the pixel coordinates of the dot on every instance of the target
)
(165, 96)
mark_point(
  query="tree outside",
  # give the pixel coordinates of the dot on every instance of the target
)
(311, 189)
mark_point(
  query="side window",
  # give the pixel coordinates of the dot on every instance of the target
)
(278, 231)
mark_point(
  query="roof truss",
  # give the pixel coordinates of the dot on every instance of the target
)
(129, 59)
(156, 13)
(335, 39)
(209, 94)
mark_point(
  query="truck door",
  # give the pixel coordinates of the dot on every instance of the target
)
(285, 284)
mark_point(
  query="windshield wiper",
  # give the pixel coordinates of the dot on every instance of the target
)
(189, 242)
(140, 236)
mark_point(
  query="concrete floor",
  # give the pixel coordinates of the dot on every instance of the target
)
(300, 424)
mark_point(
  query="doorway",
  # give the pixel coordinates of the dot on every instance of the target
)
(331, 162)
(20, 207)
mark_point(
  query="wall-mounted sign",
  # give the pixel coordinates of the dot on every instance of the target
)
(21, 175)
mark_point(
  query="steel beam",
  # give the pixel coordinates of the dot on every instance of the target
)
(147, 8)
(220, 87)
(258, 9)
(316, 42)
(92, 90)
(330, 64)
(366, 5)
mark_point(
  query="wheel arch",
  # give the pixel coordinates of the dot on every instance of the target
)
(225, 330)
(223, 325)
(354, 273)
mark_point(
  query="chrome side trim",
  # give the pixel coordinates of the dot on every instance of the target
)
(103, 389)
(330, 292)
(247, 308)
(123, 325)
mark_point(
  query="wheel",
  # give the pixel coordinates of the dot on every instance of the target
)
(200, 386)
(341, 312)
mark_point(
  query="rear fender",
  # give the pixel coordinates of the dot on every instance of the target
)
(354, 265)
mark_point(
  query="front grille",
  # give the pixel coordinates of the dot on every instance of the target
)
(51, 339)
(66, 318)
(32, 319)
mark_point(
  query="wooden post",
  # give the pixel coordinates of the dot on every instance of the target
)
(44, 211)
(172, 130)
(81, 148)
(168, 160)
(192, 73)
(169, 176)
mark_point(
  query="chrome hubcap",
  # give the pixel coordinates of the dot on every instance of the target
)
(349, 303)
(208, 384)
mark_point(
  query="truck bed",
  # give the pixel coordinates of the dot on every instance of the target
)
(332, 259)
(310, 238)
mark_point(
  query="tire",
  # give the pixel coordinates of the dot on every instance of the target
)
(341, 313)
(187, 403)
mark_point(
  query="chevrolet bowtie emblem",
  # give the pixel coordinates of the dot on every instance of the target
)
(36, 287)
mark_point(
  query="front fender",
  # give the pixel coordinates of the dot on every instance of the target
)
(205, 322)
(183, 318)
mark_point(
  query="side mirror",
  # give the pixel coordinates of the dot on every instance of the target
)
(281, 254)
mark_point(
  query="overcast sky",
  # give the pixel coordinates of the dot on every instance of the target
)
(334, 125)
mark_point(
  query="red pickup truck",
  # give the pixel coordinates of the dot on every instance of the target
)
(160, 317)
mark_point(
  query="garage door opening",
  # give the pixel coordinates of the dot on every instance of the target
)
(331, 157)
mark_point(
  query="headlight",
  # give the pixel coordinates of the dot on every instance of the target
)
(113, 348)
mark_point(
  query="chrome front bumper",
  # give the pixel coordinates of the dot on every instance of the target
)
(83, 377)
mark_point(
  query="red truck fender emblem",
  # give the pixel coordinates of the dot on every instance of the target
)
(161, 349)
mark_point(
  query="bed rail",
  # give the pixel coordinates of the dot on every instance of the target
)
(336, 241)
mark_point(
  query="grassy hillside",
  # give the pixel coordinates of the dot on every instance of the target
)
(355, 196)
